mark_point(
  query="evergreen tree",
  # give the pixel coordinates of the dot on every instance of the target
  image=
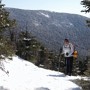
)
(42, 57)
(27, 46)
(86, 5)
(6, 48)
(85, 64)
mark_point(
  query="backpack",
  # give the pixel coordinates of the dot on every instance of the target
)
(75, 54)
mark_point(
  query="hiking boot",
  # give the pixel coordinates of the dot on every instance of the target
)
(69, 74)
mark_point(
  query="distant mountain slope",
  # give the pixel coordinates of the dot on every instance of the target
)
(51, 28)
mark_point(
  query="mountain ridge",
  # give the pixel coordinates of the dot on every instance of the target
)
(51, 28)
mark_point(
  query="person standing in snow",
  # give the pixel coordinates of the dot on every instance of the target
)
(67, 51)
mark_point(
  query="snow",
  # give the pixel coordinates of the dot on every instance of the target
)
(36, 23)
(46, 15)
(23, 75)
(67, 24)
(27, 39)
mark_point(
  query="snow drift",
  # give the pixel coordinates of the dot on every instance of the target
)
(23, 75)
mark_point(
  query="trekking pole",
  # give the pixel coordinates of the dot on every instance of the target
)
(59, 58)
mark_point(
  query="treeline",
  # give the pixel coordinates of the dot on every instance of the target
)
(29, 48)
(6, 46)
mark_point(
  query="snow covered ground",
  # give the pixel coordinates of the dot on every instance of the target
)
(23, 75)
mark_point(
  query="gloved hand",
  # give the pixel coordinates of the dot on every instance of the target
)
(67, 54)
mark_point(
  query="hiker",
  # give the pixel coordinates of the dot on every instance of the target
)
(67, 51)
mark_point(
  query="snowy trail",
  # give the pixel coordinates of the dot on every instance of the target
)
(24, 75)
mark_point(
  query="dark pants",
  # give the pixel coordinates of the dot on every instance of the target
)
(69, 65)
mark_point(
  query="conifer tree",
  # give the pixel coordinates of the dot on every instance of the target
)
(86, 5)
(27, 46)
(6, 48)
(85, 65)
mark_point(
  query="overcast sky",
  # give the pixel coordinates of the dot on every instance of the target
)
(68, 6)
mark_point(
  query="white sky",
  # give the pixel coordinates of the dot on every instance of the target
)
(68, 6)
